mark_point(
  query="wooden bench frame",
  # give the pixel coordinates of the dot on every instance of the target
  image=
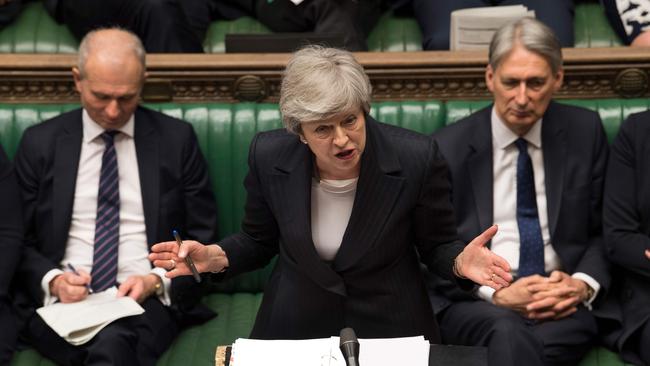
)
(619, 72)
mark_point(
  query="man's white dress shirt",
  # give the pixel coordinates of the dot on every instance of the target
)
(133, 249)
(504, 163)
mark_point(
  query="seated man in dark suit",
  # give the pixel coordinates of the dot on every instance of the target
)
(626, 223)
(351, 19)
(11, 242)
(180, 26)
(433, 16)
(161, 24)
(99, 186)
(535, 168)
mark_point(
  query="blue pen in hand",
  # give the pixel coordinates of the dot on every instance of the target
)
(188, 259)
(74, 270)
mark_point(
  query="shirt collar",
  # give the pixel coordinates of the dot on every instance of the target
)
(91, 130)
(502, 136)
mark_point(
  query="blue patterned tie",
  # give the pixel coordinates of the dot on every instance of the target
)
(107, 224)
(531, 245)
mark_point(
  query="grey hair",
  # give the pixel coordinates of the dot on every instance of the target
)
(532, 35)
(320, 83)
(86, 46)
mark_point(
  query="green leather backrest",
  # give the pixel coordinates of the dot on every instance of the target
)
(225, 130)
(34, 31)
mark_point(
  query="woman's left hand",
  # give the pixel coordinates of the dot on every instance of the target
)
(479, 264)
(206, 258)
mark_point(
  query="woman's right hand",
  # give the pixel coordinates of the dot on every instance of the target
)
(207, 258)
(479, 264)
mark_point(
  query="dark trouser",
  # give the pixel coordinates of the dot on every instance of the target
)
(636, 349)
(434, 18)
(644, 344)
(160, 24)
(9, 12)
(513, 340)
(136, 340)
(352, 19)
(8, 332)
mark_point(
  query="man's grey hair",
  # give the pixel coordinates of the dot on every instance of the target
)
(532, 35)
(87, 43)
(320, 83)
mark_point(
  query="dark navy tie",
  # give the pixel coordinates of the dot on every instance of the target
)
(531, 245)
(107, 223)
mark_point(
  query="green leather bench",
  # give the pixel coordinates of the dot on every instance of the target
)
(34, 31)
(224, 133)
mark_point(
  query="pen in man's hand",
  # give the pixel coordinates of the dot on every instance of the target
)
(188, 259)
(74, 270)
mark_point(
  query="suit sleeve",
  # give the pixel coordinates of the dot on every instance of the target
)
(593, 262)
(435, 225)
(11, 226)
(257, 243)
(622, 218)
(200, 204)
(29, 165)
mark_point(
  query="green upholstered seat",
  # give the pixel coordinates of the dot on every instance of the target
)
(224, 132)
(34, 31)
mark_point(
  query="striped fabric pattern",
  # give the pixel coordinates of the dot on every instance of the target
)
(107, 226)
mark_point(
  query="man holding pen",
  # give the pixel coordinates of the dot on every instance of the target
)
(100, 185)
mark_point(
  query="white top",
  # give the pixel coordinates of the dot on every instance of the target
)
(506, 242)
(133, 249)
(331, 207)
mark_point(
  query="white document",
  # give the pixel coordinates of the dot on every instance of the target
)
(79, 322)
(255, 352)
(473, 28)
(412, 351)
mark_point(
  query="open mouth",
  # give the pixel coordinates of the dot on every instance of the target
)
(345, 154)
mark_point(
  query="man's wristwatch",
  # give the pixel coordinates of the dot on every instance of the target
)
(158, 287)
(590, 293)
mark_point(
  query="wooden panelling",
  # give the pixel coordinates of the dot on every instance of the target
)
(589, 73)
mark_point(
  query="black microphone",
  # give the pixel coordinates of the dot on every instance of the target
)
(349, 346)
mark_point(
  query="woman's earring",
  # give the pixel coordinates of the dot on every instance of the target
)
(303, 141)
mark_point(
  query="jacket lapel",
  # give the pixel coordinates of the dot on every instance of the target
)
(146, 147)
(291, 179)
(479, 165)
(66, 165)
(377, 192)
(555, 151)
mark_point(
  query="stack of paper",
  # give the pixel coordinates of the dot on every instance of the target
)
(473, 28)
(412, 351)
(79, 322)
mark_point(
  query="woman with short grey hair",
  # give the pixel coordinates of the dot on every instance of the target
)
(350, 206)
(319, 83)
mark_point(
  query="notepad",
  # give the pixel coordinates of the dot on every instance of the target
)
(412, 351)
(473, 28)
(79, 322)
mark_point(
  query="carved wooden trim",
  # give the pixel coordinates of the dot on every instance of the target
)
(589, 73)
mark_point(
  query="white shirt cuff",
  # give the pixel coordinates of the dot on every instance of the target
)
(486, 293)
(48, 299)
(591, 283)
(165, 299)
